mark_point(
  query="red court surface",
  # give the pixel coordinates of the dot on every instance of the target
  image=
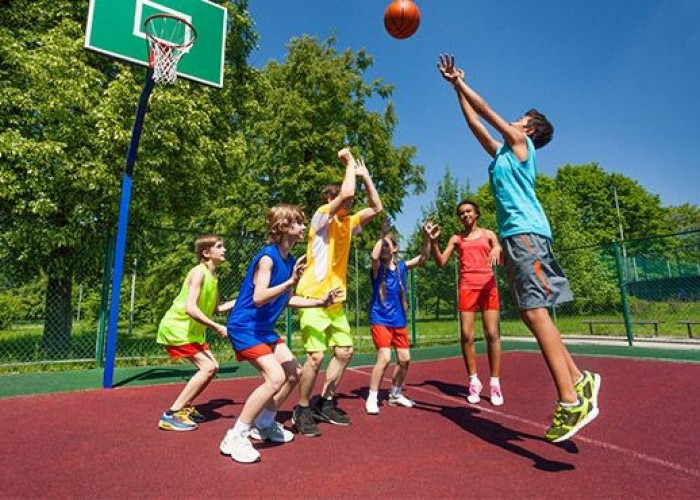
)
(105, 444)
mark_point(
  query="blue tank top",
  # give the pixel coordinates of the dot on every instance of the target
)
(249, 325)
(513, 186)
(390, 312)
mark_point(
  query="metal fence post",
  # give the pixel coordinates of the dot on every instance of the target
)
(623, 294)
(104, 300)
(412, 279)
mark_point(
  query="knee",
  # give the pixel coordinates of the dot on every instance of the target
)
(468, 338)
(383, 359)
(314, 360)
(344, 354)
(404, 362)
(530, 316)
(492, 337)
(210, 369)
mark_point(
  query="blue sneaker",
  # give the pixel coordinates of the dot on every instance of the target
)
(178, 421)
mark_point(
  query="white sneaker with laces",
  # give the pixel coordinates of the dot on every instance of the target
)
(474, 391)
(372, 407)
(401, 400)
(276, 433)
(239, 448)
(496, 395)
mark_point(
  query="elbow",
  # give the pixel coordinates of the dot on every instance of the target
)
(191, 311)
(258, 301)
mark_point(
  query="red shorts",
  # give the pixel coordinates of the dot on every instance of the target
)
(187, 350)
(389, 336)
(484, 299)
(257, 351)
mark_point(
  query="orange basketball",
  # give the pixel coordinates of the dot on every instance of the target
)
(401, 18)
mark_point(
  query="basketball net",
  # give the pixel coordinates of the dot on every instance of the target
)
(169, 38)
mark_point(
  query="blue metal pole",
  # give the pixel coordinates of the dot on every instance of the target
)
(123, 222)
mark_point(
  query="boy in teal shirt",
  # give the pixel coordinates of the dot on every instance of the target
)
(536, 279)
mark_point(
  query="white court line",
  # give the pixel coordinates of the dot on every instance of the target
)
(595, 442)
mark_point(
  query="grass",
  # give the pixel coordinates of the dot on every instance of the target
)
(21, 349)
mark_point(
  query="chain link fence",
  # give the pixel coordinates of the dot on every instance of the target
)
(637, 288)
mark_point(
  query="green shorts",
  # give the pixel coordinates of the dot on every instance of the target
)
(322, 328)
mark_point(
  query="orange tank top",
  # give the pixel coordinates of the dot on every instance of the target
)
(475, 272)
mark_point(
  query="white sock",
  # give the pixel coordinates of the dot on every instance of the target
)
(395, 391)
(495, 381)
(265, 419)
(569, 405)
(240, 427)
(373, 395)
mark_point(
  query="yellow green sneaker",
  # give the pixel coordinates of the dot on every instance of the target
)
(568, 420)
(588, 387)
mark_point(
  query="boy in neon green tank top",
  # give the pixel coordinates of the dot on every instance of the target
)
(182, 331)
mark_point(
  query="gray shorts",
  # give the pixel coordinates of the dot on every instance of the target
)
(536, 279)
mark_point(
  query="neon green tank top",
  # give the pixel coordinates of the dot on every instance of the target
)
(176, 327)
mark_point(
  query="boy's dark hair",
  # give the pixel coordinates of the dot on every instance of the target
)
(330, 191)
(543, 129)
(467, 201)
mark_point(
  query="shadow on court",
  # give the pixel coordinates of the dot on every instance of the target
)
(176, 373)
(495, 433)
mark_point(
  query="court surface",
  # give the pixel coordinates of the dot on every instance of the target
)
(105, 444)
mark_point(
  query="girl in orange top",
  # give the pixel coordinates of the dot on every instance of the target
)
(479, 251)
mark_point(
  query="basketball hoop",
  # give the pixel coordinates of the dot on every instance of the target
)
(169, 38)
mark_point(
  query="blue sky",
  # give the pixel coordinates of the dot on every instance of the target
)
(619, 79)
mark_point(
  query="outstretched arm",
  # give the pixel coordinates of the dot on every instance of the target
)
(192, 309)
(347, 188)
(425, 249)
(441, 258)
(375, 204)
(263, 292)
(511, 134)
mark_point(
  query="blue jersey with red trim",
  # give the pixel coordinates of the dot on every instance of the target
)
(249, 325)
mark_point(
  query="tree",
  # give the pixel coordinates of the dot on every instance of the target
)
(441, 287)
(64, 129)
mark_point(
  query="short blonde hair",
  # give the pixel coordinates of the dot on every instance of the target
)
(280, 217)
(204, 243)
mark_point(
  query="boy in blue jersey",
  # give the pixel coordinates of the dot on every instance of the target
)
(265, 292)
(536, 279)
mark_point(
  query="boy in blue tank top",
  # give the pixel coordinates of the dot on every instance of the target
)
(265, 292)
(387, 314)
(536, 279)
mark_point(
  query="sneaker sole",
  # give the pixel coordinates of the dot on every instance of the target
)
(474, 402)
(320, 418)
(597, 380)
(245, 462)
(400, 405)
(587, 420)
(168, 427)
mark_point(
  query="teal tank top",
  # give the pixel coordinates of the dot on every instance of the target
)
(513, 186)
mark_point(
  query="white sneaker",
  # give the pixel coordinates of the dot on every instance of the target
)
(239, 448)
(474, 391)
(496, 395)
(372, 407)
(401, 400)
(276, 433)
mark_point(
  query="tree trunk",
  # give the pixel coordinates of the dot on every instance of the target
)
(58, 318)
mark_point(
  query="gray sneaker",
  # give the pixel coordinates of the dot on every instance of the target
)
(276, 433)
(326, 410)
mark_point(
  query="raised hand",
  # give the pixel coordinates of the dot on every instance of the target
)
(345, 156)
(385, 226)
(360, 169)
(431, 230)
(446, 67)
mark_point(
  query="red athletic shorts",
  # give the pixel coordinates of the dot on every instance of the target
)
(389, 336)
(187, 350)
(257, 351)
(485, 299)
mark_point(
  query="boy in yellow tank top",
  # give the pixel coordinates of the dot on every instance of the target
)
(182, 331)
(332, 228)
